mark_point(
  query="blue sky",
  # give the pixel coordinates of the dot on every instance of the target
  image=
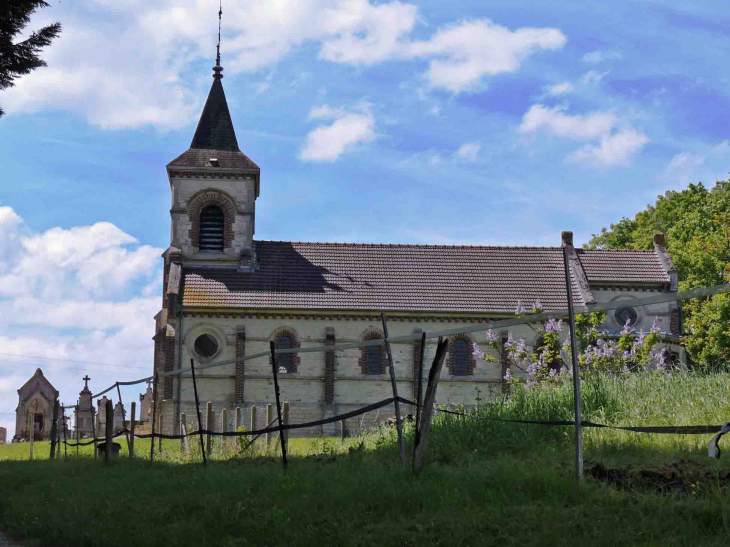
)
(498, 123)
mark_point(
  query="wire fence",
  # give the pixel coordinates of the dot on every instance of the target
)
(423, 407)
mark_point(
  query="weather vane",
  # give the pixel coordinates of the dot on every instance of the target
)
(218, 47)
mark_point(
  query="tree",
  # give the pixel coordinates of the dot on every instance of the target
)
(21, 58)
(696, 224)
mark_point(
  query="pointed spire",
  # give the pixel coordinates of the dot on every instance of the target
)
(215, 128)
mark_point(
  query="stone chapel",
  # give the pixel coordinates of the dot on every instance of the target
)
(226, 295)
(35, 404)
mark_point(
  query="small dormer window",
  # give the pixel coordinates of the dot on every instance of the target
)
(211, 229)
(214, 162)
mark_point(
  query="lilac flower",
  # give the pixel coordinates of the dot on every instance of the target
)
(554, 326)
(477, 352)
(627, 327)
(538, 305)
(520, 309)
(507, 375)
(492, 336)
(655, 326)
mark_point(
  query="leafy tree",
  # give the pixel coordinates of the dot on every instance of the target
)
(696, 224)
(21, 58)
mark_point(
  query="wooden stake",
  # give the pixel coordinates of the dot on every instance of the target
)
(154, 417)
(342, 431)
(159, 428)
(184, 431)
(398, 422)
(272, 348)
(124, 415)
(286, 422)
(433, 380)
(54, 428)
(95, 425)
(197, 410)
(65, 446)
(109, 431)
(76, 423)
(132, 425)
(208, 425)
(419, 396)
(269, 419)
(576, 370)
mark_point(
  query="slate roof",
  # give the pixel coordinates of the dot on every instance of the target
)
(622, 266)
(214, 136)
(433, 278)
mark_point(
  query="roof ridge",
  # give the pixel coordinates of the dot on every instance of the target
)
(420, 245)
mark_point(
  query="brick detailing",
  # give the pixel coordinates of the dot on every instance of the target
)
(240, 356)
(504, 361)
(292, 334)
(211, 197)
(470, 361)
(372, 334)
(169, 366)
(417, 365)
(674, 321)
(329, 367)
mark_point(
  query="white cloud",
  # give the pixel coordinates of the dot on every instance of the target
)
(616, 141)
(469, 151)
(473, 49)
(593, 77)
(560, 89)
(149, 82)
(598, 56)
(348, 128)
(690, 167)
(76, 290)
(612, 149)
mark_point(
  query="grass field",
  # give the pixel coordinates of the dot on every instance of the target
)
(485, 482)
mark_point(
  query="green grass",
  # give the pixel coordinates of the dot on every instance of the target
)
(485, 483)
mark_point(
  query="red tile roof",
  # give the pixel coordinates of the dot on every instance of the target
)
(622, 266)
(433, 278)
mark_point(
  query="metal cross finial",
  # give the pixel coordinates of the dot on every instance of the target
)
(86, 381)
(218, 47)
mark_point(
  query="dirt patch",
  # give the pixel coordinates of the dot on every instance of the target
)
(683, 477)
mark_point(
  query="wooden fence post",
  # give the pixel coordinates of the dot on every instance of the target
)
(76, 427)
(65, 445)
(342, 430)
(154, 418)
(253, 419)
(224, 426)
(31, 435)
(132, 425)
(398, 422)
(208, 425)
(286, 422)
(272, 349)
(124, 414)
(184, 431)
(197, 411)
(159, 428)
(54, 428)
(96, 424)
(433, 379)
(109, 431)
(269, 417)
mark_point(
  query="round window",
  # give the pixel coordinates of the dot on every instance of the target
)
(626, 314)
(206, 345)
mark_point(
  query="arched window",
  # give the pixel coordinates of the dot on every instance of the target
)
(285, 360)
(211, 229)
(461, 358)
(373, 359)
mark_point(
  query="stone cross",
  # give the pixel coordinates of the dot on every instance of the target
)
(86, 381)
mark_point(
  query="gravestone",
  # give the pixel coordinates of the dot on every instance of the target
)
(118, 418)
(3, 435)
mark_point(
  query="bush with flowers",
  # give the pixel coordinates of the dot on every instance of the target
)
(550, 359)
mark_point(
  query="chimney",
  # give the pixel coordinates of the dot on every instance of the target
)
(567, 238)
(659, 240)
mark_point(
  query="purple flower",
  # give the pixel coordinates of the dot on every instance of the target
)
(538, 305)
(520, 309)
(507, 375)
(554, 326)
(492, 336)
(477, 352)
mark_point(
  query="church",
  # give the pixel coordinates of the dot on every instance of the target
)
(226, 295)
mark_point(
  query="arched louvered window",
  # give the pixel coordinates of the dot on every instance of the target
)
(372, 357)
(285, 360)
(211, 229)
(461, 358)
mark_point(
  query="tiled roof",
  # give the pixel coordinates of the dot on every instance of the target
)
(433, 278)
(201, 158)
(622, 266)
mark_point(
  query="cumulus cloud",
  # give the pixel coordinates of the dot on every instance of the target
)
(469, 151)
(615, 141)
(466, 52)
(75, 294)
(348, 128)
(691, 166)
(150, 83)
(559, 89)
